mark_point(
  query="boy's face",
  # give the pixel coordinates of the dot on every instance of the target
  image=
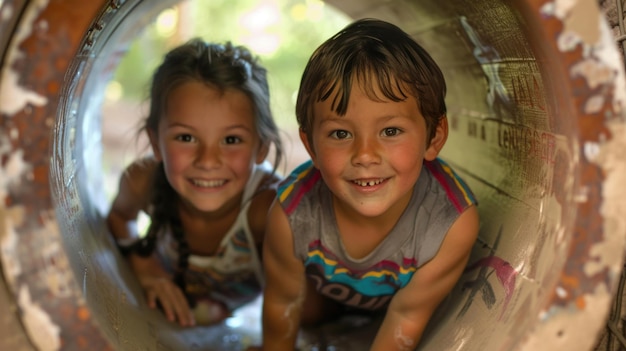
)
(371, 157)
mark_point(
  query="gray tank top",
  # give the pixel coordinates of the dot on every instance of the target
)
(438, 199)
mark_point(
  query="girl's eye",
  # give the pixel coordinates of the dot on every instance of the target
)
(340, 134)
(187, 138)
(392, 131)
(231, 139)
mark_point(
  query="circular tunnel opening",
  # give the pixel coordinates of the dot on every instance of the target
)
(535, 108)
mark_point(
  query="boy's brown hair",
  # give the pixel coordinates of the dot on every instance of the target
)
(371, 49)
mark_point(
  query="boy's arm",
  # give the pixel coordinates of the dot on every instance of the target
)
(411, 308)
(285, 287)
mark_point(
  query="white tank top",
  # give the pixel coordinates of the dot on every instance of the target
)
(234, 274)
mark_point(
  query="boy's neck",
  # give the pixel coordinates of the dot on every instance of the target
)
(361, 234)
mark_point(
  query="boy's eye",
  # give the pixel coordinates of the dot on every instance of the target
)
(392, 131)
(231, 139)
(340, 134)
(187, 138)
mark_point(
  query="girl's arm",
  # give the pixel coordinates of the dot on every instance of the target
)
(411, 308)
(285, 287)
(133, 196)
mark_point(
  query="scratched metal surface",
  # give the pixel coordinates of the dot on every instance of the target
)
(536, 98)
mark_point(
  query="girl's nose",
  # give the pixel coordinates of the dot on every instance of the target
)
(366, 151)
(208, 156)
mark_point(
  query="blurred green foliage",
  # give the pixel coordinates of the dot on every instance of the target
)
(283, 33)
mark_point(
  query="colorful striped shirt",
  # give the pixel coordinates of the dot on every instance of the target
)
(438, 198)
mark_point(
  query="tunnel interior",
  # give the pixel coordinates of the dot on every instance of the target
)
(535, 106)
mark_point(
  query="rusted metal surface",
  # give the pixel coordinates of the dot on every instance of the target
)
(536, 107)
(35, 267)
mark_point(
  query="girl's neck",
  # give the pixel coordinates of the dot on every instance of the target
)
(204, 231)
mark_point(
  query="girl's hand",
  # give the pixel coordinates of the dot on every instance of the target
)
(162, 292)
(207, 312)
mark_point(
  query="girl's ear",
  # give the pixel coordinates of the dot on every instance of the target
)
(261, 155)
(154, 143)
(307, 145)
(438, 140)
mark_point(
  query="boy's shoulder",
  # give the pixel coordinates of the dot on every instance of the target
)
(298, 183)
(457, 191)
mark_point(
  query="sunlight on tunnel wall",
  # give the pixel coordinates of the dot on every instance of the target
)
(536, 96)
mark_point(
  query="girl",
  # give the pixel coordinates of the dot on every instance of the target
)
(207, 188)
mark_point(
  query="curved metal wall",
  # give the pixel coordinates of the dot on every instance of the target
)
(536, 109)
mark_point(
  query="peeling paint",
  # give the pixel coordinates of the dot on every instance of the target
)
(6, 13)
(15, 167)
(606, 53)
(594, 72)
(10, 263)
(44, 334)
(561, 330)
(14, 97)
(612, 159)
(602, 64)
(594, 104)
(578, 26)
(57, 272)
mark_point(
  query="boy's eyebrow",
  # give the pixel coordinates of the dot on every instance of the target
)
(329, 117)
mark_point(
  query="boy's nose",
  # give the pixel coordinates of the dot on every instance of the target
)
(366, 152)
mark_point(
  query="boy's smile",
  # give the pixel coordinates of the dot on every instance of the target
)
(371, 157)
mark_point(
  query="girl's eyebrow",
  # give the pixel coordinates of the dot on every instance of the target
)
(240, 126)
(178, 124)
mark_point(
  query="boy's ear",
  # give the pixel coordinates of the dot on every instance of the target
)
(438, 140)
(154, 143)
(307, 144)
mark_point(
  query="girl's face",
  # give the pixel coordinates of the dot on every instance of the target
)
(371, 157)
(209, 144)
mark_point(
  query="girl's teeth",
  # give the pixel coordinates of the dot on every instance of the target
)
(208, 183)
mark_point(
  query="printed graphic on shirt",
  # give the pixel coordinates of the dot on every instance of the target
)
(371, 288)
(230, 277)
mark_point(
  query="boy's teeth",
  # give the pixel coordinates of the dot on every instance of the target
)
(208, 183)
(368, 182)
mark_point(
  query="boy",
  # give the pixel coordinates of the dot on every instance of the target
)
(375, 220)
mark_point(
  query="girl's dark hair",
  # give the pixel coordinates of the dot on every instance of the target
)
(221, 66)
(370, 49)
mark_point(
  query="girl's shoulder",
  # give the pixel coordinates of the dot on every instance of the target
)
(137, 178)
(142, 167)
